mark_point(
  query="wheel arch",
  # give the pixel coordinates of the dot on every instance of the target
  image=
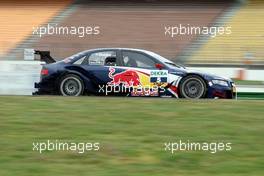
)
(71, 72)
(194, 74)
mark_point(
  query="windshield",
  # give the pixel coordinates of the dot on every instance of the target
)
(164, 60)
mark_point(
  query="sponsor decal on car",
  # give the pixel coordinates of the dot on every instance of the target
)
(127, 77)
(159, 76)
(137, 82)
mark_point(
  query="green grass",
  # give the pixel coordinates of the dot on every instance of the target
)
(131, 132)
(250, 95)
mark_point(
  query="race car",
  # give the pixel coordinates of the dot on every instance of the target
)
(128, 72)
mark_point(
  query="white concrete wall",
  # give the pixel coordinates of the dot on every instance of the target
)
(256, 75)
(18, 77)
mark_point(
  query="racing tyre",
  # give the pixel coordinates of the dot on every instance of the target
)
(71, 85)
(192, 87)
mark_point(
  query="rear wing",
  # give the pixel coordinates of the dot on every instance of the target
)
(45, 56)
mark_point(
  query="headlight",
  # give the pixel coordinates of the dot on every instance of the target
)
(220, 82)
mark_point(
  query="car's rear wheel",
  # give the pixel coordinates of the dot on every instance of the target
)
(71, 85)
(192, 87)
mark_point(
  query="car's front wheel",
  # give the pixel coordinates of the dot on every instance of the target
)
(71, 85)
(192, 87)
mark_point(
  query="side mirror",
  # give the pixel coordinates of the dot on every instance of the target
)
(110, 59)
(159, 66)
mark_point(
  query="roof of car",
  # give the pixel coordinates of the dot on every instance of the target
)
(132, 49)
(103, 49)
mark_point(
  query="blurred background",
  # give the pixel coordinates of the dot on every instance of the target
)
(140, 24)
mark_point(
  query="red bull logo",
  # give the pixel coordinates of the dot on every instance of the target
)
(127, 78)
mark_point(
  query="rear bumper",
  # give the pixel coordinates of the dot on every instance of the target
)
(44, 89)
(37, 86)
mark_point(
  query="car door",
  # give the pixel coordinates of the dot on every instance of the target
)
(138, 68)
(95, 66)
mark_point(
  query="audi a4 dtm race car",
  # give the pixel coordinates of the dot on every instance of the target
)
(128, 72)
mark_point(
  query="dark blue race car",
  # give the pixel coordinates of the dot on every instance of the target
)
(129, 72)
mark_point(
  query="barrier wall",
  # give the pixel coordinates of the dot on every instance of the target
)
(18, 77)
(233, 72)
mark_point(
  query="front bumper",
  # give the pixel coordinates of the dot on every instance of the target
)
(226, 92)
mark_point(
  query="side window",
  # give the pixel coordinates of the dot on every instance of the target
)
(80, 61)
(98, 58)
(134, 59)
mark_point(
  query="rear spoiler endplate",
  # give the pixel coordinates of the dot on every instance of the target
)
(45, 56)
